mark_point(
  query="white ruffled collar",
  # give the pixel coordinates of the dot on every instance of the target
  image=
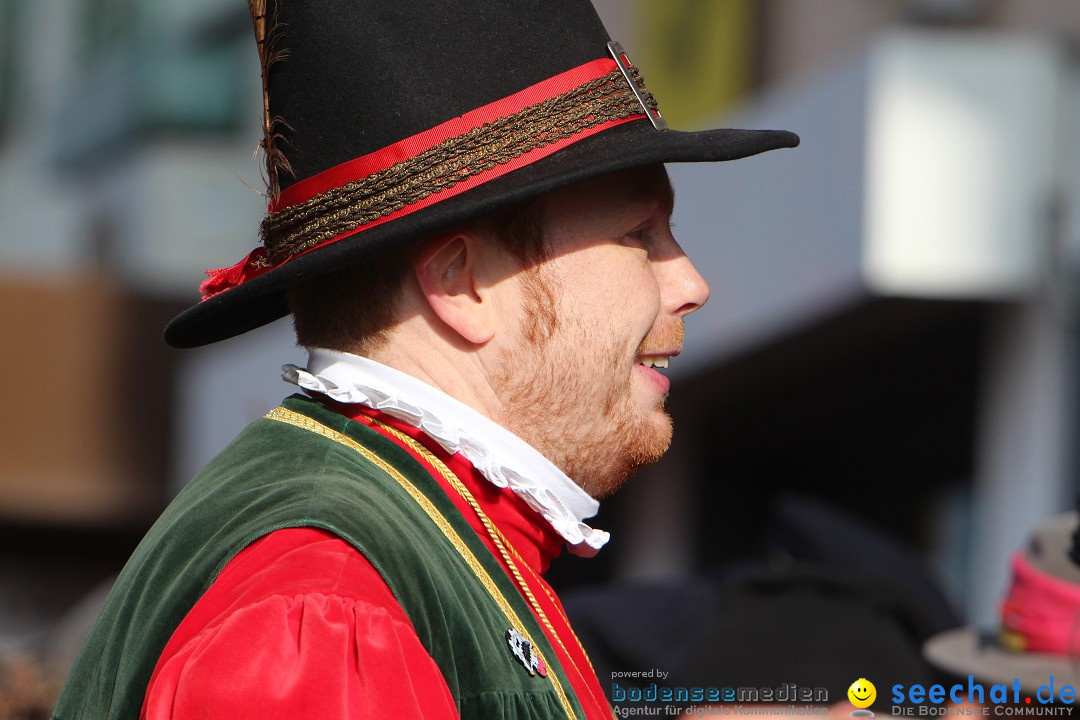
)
(502, 457)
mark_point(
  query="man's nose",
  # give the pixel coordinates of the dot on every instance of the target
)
(684, 290)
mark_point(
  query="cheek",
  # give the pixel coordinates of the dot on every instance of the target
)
(641, 291)
(619, 286)
(629, 303)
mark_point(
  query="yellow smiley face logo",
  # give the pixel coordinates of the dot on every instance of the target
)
(862, 693)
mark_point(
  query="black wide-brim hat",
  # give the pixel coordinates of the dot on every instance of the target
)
(386, 122)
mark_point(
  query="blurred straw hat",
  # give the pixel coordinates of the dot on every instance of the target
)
(1039, 635)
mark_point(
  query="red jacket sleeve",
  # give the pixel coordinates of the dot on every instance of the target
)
(298, 625)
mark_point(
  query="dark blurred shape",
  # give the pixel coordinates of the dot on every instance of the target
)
(831, 600)
(815, 532)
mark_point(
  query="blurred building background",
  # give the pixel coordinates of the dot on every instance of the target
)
(892, 327)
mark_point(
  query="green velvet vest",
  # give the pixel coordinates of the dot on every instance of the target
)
(312, 467)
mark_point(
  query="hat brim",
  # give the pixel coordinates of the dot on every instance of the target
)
(966, 651)
(262, 299)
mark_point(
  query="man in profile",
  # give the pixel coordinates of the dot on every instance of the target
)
(469, 221)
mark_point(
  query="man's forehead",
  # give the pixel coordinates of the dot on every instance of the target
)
(650, 184)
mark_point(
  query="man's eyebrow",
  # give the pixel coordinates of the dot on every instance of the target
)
(651, 191)
(668, 201)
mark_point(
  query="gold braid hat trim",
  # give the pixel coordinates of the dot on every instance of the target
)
(300, 227)
(298, 420)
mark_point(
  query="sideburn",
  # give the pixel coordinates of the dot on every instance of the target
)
(539, 300)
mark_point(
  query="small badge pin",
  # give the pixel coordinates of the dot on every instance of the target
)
(525, 653)
(625, 67)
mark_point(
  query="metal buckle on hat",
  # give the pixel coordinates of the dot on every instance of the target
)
(625, 65)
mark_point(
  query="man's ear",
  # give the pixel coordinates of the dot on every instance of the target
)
(448, 269)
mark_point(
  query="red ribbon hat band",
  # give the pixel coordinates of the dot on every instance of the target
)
(1041, 613)
(444, 161)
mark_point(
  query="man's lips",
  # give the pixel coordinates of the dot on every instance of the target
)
(646, 365)
(656, 350)
(657, 358)
(661, 383)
